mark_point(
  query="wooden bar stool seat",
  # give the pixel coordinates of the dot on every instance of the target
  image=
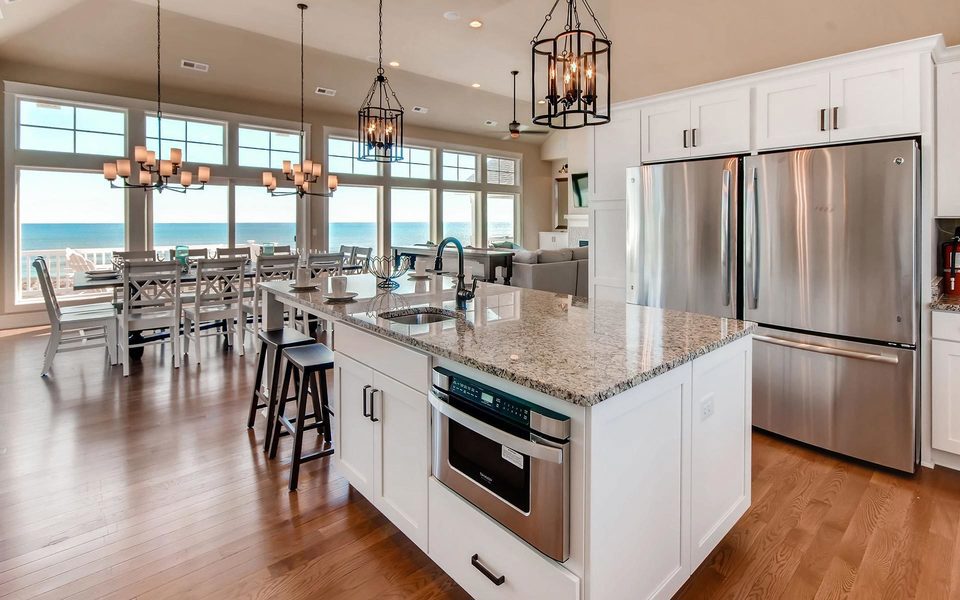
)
(309, 365)
(275, 341)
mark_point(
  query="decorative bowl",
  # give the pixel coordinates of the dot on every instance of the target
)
(388, 268)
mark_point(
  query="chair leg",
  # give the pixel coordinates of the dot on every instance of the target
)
(256, 391)
(186, 335)
(272, 397)
(281, 408)
(241, 324)
(177, 352)
(125, 351)
(298, 436)
(325, 407)
(318, 415)
(196, 338)
(53, 344)
(111, 333)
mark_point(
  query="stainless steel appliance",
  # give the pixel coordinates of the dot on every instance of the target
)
(829, 268)
(508, 457)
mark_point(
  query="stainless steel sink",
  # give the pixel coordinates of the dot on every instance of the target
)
(419, 316)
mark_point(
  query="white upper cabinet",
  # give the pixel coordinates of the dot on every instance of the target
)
(617, 146)
(948, 139)
(877, 98)
(793, 111)
(719, 123)
(665, 131)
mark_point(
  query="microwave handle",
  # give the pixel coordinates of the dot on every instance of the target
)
(530, 448)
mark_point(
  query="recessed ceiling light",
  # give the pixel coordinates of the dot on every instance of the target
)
(451, 15)
(394, 63)
(476, 24)
(476, 85)
(490, 123)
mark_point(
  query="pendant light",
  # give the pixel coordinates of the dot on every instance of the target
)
(151, 175)
(380, 122)
(571, 72)
(304, 175)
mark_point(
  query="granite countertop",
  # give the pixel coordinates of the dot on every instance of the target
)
(579, 350)
(947, 304)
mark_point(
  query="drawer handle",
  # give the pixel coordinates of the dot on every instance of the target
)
(373, 402)
(364, 392)
(475, 561)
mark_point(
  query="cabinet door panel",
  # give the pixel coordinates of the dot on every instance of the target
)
(616, 147)
(353, 431)
(720, 123)
(661, 131)
(875, 99)
(789, 112)
(948, 140)
(946, 395)
(402, 456)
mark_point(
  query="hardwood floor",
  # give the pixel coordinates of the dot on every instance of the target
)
(152, 487)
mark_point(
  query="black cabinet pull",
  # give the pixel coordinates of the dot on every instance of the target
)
(836, 117)
(685, 145)
(823, 119)
(373, 403)
(693, 137)
(475, 561)
(365, 412)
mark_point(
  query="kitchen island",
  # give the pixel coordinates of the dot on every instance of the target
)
(655, 460)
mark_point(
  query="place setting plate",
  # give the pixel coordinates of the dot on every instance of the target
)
(102, 274)
(304, 287)
(346, 297)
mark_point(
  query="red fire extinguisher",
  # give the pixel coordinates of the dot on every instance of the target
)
(950, 255)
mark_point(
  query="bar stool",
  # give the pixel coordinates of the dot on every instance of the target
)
(311, 363)
(276, 340)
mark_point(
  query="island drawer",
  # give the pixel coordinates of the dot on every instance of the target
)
(393, 360)
(464, 542)
(946, 326)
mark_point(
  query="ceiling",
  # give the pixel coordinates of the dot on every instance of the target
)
(251, 46)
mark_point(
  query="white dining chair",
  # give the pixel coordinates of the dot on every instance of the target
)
(330, 263)
(218, 297)
(234, 252)
(269, 268)
(74, 328)
(192, 253)
(151, 301)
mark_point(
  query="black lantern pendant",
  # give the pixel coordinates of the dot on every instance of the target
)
(571, 73)
(380, 123)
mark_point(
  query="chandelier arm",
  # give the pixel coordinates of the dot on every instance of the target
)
(595, 20)
(546, 19)
(392, 93)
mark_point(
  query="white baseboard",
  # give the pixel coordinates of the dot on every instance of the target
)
(24, 319)
(946, 459)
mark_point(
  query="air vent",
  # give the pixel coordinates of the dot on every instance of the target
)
(490, 123)
(421, 109)
(326, 91)
(194, 65)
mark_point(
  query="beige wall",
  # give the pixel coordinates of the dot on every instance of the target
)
(664, 45)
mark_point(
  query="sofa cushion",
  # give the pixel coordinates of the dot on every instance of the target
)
(528, 257)
(553, 256)
(581, 253)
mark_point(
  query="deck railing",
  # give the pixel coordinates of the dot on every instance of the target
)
(61, 273)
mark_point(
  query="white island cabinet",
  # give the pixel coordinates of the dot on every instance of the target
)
(659, 438)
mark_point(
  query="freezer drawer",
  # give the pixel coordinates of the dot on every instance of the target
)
(855, 399)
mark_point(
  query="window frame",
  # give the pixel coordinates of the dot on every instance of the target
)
(477, 166)
(270, 150)
(487, 170)
(432, 166)
(18, 99)
(353, 158)
(187, 120)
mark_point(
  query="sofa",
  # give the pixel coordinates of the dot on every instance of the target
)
(563, 271)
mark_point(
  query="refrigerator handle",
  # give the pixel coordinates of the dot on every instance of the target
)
(725, 234)
(755, 239)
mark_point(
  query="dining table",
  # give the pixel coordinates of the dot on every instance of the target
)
(490, 258)
(83, 282)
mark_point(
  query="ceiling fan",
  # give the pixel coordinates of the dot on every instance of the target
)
(515, 128)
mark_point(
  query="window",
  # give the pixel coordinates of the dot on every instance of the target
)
(458, 211)
(267, 149)
(501, 211)
(409, 216)
(341, 155)
(201, 141)
(56, 127)
(353, 217)
(459, 166)
(417, 163)
(198, 218)
(261, 217)
(501, 171)
(73, 219)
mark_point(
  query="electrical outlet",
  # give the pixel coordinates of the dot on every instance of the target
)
(706, 408)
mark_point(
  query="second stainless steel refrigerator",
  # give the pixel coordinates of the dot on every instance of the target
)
(829, 269)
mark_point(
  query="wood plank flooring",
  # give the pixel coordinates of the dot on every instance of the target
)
(151, 487)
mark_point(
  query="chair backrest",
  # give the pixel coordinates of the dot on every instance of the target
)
(191, 253)
(282, 249)
(348, 253)
(276, 268)
(325, 262)
(119, 257)
(233, 252)
(150, 287)
(77, 262)
(46, 287)
(361, 256)
(219, 281)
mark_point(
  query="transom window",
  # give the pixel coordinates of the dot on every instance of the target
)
(417, 163)
(267, 149)
(501, 171)
(459, 166)
(58, 127)
(201, 141)
(342, 157)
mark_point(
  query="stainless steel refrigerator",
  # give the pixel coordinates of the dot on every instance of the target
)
(827, 241)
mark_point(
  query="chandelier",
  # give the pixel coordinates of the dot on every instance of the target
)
(153, 174)
(571, 72)
(380, 123)
(304, 176)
